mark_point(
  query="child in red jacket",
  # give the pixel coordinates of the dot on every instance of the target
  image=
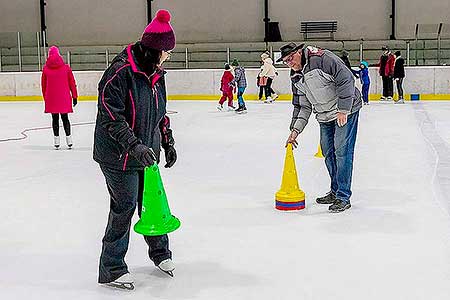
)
(226, 88)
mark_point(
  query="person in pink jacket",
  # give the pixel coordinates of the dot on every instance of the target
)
(60, 91)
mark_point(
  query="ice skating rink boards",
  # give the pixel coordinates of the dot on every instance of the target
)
(394, 242)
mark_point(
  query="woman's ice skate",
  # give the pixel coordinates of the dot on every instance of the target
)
(124, 282)
(167, 266)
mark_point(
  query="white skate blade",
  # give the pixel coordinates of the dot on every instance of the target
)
(170, 273)
(167, 267)
(124, 282)
(121, 285)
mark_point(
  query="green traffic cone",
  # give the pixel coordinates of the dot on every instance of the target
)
(156, 218)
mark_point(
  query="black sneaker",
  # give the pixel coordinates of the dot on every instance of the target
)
(329, 198)
(339, 206)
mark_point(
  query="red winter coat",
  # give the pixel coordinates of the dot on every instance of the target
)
(227, 77)
(387, 67)
(58, 84)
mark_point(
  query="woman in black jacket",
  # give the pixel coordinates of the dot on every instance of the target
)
(131, 128)
(399, 75)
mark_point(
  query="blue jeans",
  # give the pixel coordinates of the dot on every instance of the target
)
(125, 189)
(365, 92)
(338, 144)
(239, 96)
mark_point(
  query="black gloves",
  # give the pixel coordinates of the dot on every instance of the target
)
(74, 101)
(167, 143)
(143, 154)
(171, 156)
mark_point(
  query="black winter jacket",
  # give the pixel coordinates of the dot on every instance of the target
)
(131, 109)
(399, 68)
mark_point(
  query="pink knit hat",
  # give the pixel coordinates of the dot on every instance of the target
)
(159, 33)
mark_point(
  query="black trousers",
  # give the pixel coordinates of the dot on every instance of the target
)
(261, 91)
(125, 189)
(55, 124)
(388, 86)
(268, 88)
(400, 88)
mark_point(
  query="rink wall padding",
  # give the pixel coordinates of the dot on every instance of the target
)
(423, 83)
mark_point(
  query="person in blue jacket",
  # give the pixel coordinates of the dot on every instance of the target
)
(365, 80)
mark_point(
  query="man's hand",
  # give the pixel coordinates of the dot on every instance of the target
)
(341, 119)
(292, 139)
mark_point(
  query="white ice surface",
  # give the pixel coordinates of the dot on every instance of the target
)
(394, 243)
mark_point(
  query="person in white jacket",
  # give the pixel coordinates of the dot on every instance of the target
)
(266, 75)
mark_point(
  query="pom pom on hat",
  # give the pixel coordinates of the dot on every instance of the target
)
(159, 33)
(163, 16)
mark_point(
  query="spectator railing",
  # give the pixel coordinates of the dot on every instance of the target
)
(27, 52)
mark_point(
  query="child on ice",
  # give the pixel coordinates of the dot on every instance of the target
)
(226, 88)
(365, 80)
(241, 81)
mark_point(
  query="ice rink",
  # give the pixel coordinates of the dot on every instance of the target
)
(394, 243)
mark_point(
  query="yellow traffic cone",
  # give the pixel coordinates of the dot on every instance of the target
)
(290, 196)
(319, 153)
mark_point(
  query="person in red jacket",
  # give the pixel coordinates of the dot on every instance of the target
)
(386, 64)
(60, 91)
(226, 88)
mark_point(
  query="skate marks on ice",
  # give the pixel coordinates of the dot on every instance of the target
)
(52, 148)
(25, 135)
(441, 149)
(24, 132)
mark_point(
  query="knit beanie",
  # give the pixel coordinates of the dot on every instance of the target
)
(235, 62)
(159, 33)
(265, 55)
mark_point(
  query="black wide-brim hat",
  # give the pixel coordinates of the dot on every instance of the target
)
(288, 49)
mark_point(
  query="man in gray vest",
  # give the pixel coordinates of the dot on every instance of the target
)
(322, 83)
